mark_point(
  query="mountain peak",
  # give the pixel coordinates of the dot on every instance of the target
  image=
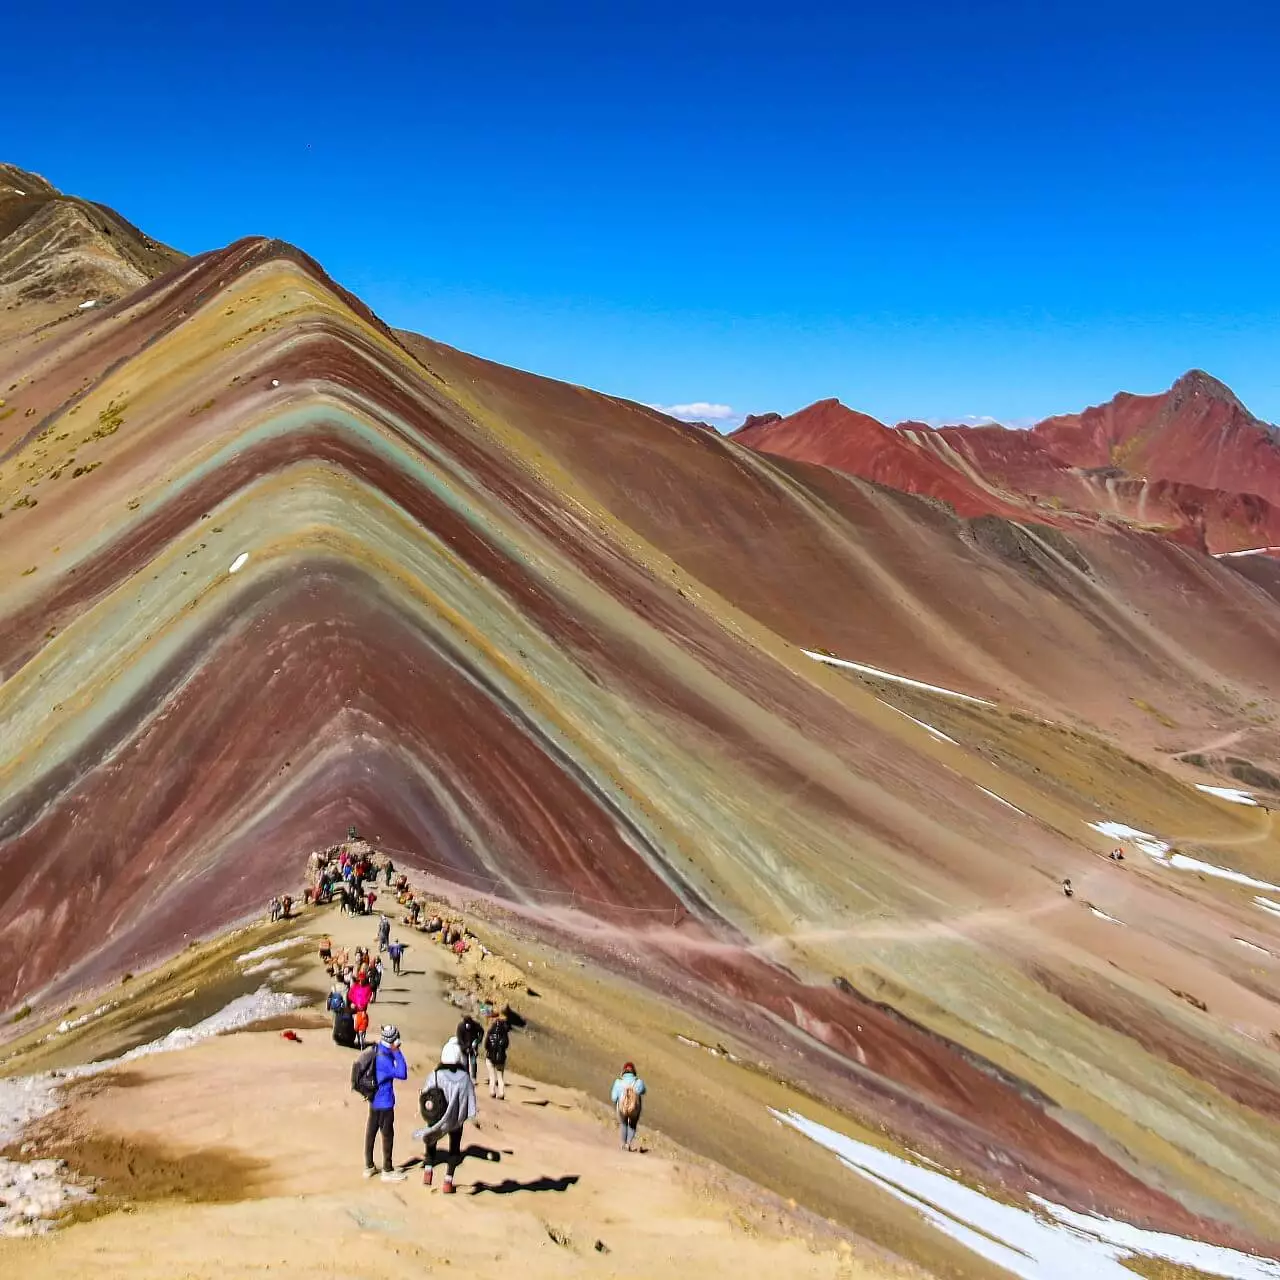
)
(1196, 383)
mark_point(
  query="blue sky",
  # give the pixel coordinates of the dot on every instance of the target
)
(930, 210)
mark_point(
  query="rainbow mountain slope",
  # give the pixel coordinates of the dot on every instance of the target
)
(270, 568)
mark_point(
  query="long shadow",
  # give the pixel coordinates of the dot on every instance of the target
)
(474, 1151)
(511, 1186)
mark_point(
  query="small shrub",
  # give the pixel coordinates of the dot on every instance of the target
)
(24, 1012)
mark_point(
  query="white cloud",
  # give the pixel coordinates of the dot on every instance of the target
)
(698, 411)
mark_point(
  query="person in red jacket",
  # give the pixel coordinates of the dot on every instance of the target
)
(361, 994)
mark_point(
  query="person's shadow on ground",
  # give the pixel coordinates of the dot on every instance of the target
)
(474, 1151)
(511, 1186)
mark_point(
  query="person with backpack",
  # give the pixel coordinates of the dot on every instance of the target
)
(628, 1091)
(375, 976)
(468, 1036)
(448, 1101)
(396, 951)
(497, 1040)
(344, 1027)
(373, 1077)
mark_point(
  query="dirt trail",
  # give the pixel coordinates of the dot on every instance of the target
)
(264, 1135)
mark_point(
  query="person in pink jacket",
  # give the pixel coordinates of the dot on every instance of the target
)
(361, 994)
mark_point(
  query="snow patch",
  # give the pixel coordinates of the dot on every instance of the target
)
(64, 1026)
(24, 1099)
(239, 562)
(928, 728)
(1253, 946)
(1267, 905)
(271, 949)
(1251, 551)
(1102, 915)
(888, 675)
(1234, 794)
(1001, 800)
(1144, 840)
(1055, 1243)
(1183, 863)
(34, 1192)
(84, 306)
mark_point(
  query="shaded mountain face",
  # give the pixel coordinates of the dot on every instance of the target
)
(1191, 464)
(58, 252)
(270, 568)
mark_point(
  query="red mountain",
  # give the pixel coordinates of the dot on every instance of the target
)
(1191, 464)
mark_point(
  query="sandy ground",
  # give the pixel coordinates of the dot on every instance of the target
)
(253, 1141)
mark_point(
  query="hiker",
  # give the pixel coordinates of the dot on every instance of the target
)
(384, 932)
(286, 905)
(496, 1042)
(448, 1101)
(344, 1027)
(326, 950)
(468, 1036)
(1067, 889)
(370, 899)
(375, 977)
(361, 993)
(1116, 855)
(389, 870)
(361, 1020)
(388, 1066)
(396, 951)
(274, 908)
(628, 1091)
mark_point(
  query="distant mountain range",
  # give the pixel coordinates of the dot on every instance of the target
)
(1191, 464)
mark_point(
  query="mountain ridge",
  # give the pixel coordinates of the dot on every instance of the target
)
(269, 568)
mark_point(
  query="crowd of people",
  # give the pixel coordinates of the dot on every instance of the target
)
(447, 1098)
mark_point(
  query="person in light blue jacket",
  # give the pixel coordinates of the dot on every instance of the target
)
(628, 1093)
(390, 1066)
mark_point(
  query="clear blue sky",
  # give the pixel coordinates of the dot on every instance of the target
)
(927, 209)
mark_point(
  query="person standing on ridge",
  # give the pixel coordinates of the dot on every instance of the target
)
(627, 1095)
(389, 1066)
(468, 1036)
(497, 1040)
(448, 1101)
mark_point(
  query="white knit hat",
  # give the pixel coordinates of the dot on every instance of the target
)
(451, 1054)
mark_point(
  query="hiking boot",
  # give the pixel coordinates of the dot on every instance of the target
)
(394, 1175)
(448, 1188)
(369, 1171)
(426, 1177)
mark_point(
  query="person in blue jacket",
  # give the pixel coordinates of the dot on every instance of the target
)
(627, 1095)
(390, 1066)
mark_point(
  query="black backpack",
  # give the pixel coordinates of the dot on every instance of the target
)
(433, 1103)
(364, 1074)
(496, 1042)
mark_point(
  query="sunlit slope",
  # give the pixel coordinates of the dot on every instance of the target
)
(269, 569)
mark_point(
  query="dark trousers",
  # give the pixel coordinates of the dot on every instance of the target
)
(380, 1121)
(455, 1152)
(395, 964)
